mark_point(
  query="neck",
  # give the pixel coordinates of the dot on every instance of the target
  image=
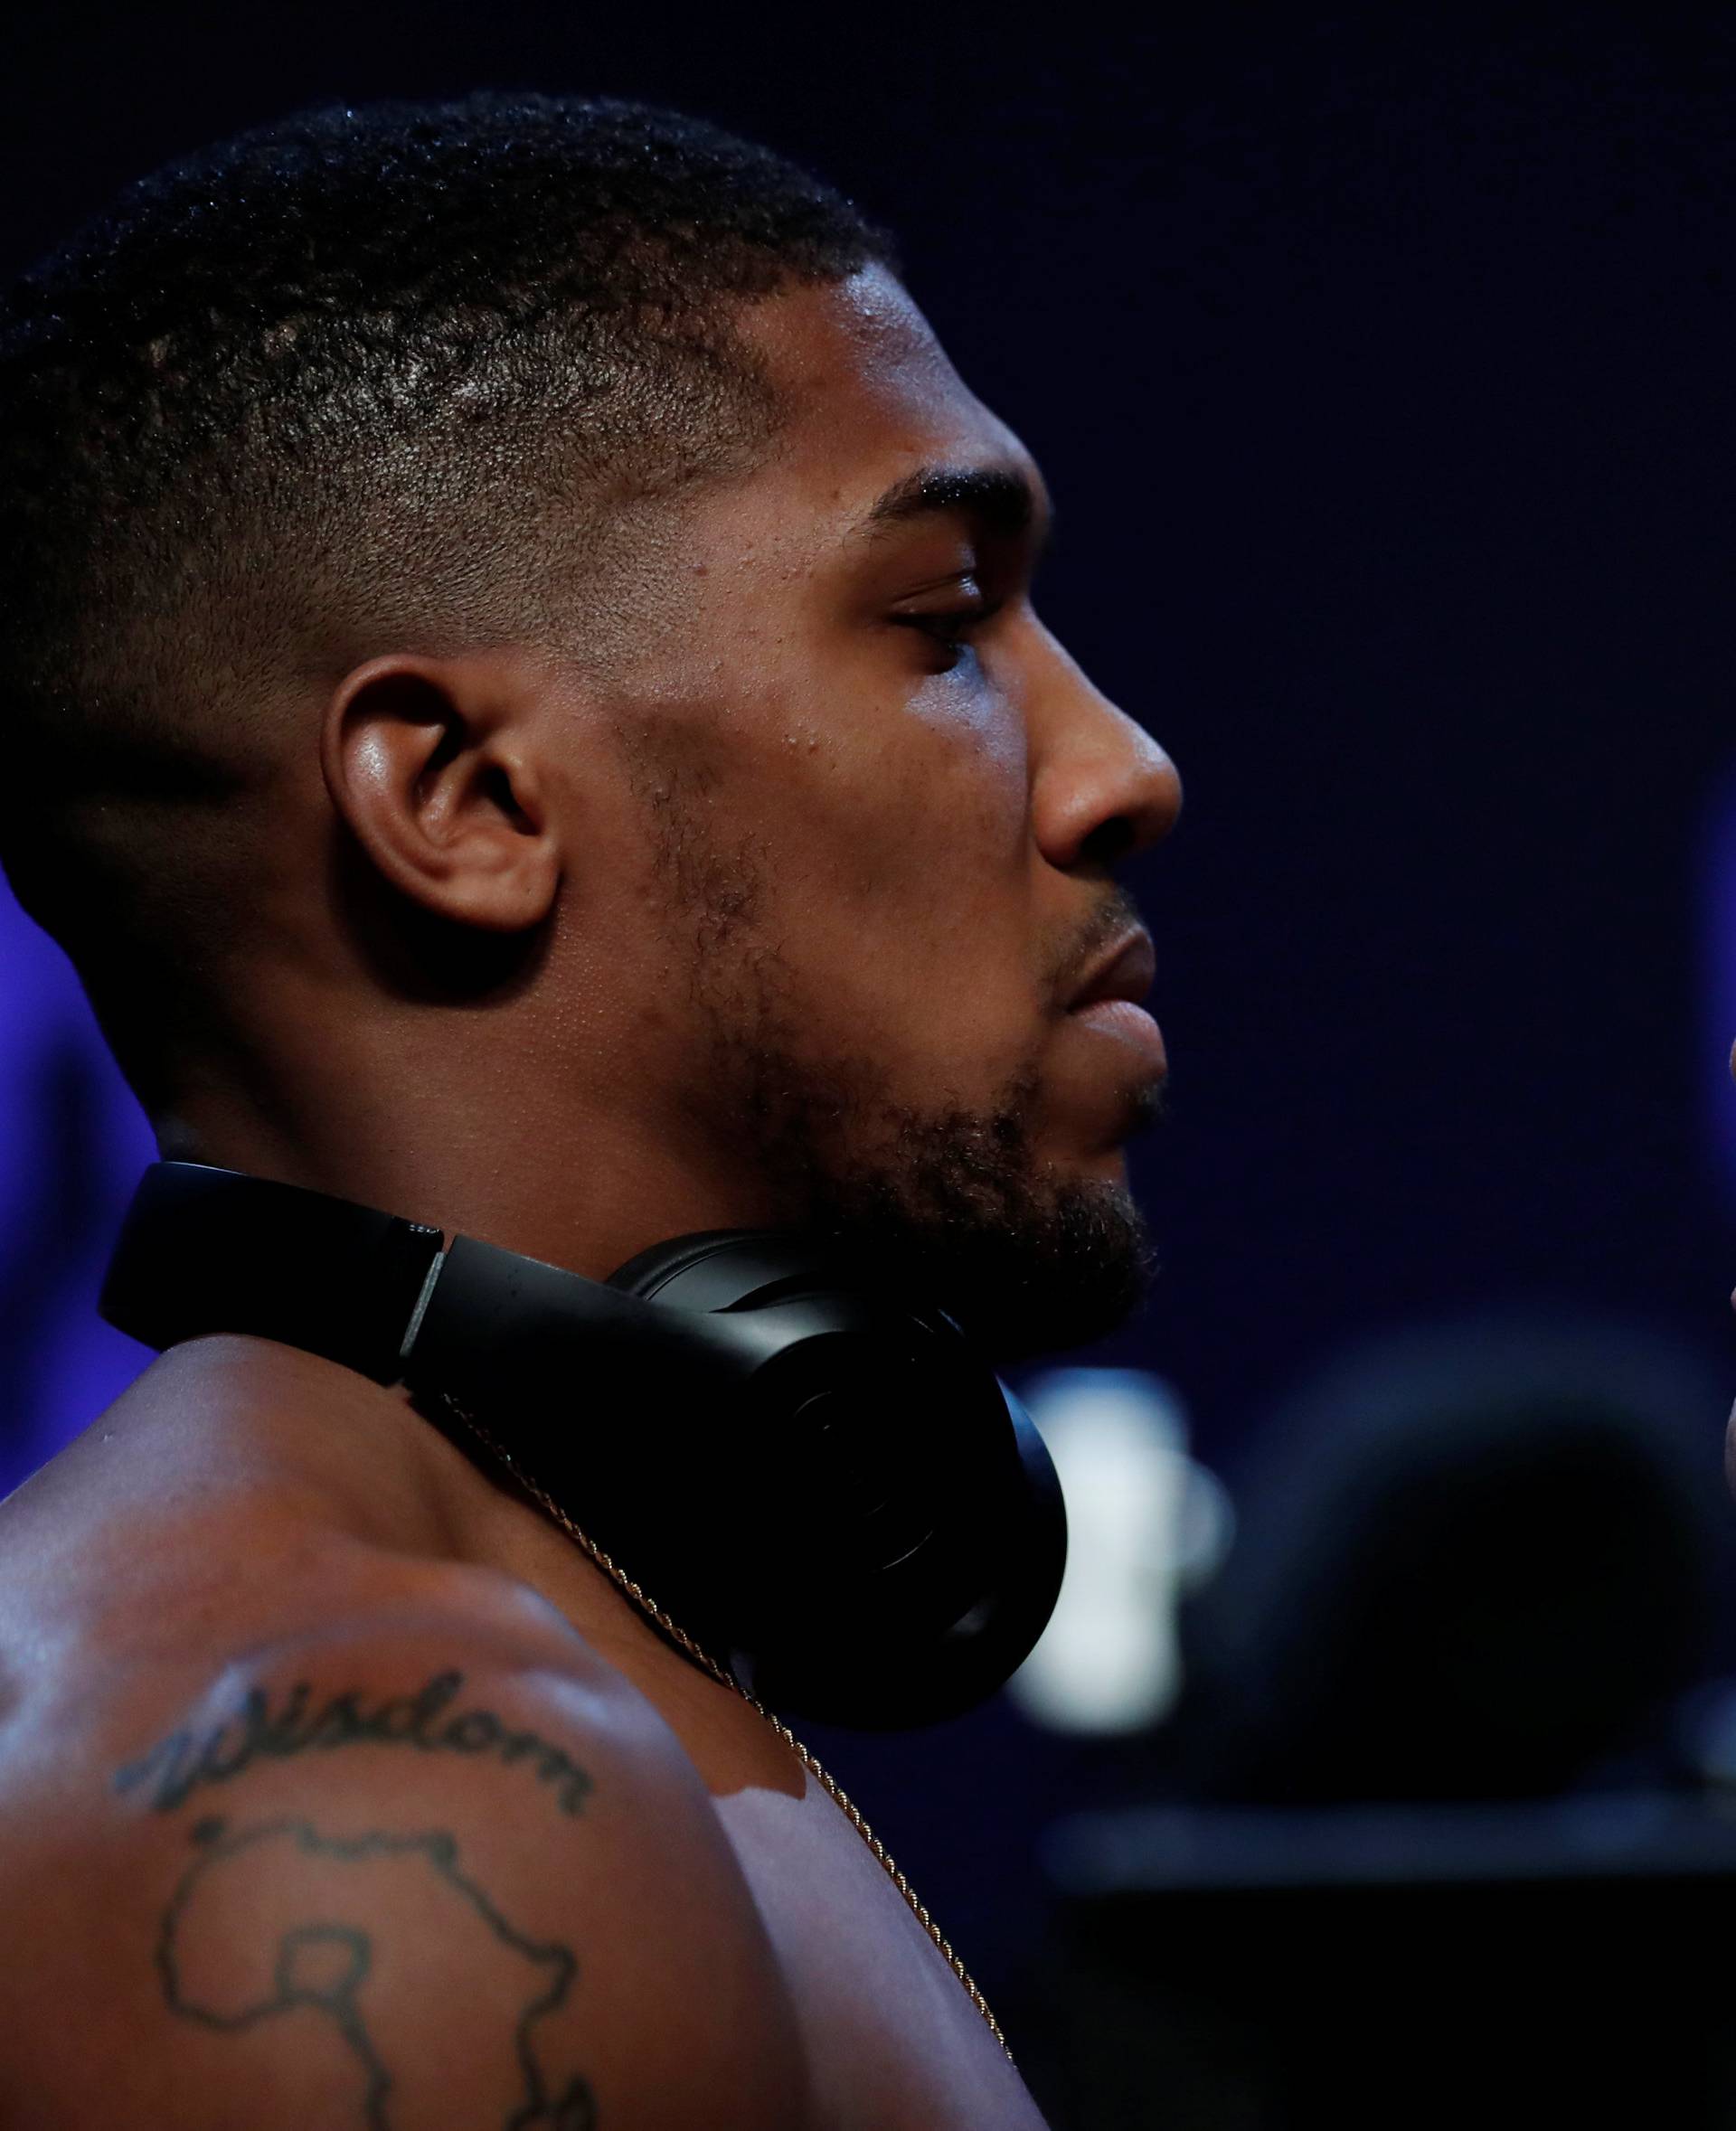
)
(486, 1152)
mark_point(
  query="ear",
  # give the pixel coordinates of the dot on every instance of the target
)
(432, 765)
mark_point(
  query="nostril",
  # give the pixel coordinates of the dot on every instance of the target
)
(1109, 841)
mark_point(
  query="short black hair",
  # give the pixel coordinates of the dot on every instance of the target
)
(362, 376)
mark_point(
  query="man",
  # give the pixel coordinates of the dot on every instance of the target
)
(526, 708)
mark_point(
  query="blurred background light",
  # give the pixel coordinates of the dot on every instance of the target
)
(1145, 1523)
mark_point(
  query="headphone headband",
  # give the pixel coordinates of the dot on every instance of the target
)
(197, 1255)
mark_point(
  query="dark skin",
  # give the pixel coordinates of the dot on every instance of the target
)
(823, 840)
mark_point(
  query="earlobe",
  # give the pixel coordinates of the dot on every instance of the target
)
(432, 767)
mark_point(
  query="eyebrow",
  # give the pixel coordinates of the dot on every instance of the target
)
(1001, 499)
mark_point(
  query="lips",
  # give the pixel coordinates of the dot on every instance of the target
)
(1107, 1007)
(1127, 972)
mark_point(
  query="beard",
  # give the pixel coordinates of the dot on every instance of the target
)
(953, 1201)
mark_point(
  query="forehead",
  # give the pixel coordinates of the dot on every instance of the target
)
(869, 394)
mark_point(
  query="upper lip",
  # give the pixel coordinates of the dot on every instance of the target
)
(1125, 972)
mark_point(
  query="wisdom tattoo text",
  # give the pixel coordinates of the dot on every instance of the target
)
(305, 1723)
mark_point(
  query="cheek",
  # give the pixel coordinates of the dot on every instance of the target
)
(928, 802)
(900, 853)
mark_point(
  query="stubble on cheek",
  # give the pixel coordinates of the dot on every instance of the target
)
(953, 1196)
(814, 1123)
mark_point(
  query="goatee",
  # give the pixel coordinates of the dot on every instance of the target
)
(955, 1205)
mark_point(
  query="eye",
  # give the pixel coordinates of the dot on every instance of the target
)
(950, 628)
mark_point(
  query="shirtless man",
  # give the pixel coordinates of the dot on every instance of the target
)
(523, 704)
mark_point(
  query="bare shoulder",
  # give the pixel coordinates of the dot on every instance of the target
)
(388, 1866)
(397, 1849)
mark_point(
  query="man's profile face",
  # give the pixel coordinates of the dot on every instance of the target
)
(859, 860)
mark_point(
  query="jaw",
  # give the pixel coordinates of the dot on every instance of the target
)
(1030, 1252)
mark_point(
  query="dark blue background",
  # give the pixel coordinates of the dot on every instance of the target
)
(1382, 364)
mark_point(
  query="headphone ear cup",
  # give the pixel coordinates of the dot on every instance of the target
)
(910, 1506)
(906, 1661)
(718, 1269)
(651, 1271)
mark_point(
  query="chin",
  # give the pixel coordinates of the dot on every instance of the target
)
(1068, 1266)
(1108, 1168)
(1033, 1251)
(1070, 1284)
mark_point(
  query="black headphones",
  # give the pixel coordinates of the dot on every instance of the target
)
(807, 1467)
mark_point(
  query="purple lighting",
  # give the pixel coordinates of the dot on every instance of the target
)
(72, 1143)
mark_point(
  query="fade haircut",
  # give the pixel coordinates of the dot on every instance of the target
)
(388, 378)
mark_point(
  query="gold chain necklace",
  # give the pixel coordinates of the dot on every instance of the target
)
(722, 1673)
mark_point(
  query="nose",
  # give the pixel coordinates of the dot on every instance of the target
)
(1103, 789)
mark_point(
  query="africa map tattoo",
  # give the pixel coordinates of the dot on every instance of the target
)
(179, 1765)
(306, 1945)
